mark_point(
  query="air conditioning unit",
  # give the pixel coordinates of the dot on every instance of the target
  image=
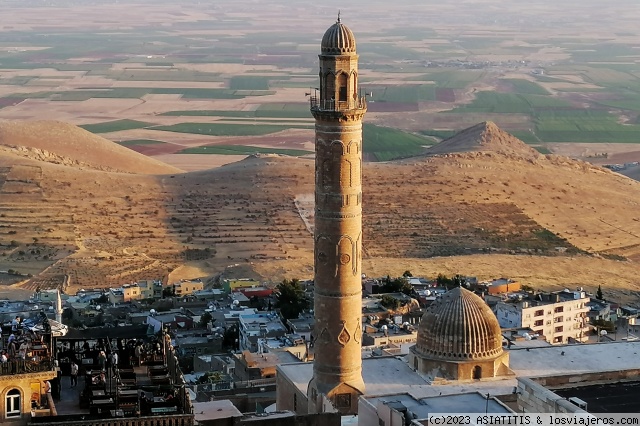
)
(578, 402)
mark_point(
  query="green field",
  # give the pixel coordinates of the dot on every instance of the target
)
(242, 150)
(249, 82)
(438, 134)
(404, 63)
(114, 126)
(385, 144)
(271, 110)
(133, 142)
(409, 93)
(225, 129)
(505, 103)
(453, 79)
(579, 125)
(526, 87)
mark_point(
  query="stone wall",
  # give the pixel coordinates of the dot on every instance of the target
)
(288, 396)
(30, 385)
(537, 395)
(535, 398)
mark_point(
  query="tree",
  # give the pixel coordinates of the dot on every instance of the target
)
(455, 281)
(290, 299)
(205, 319)
(444, 281)
(231, 337)
(169, 291)
(407, 273)
(599, 295)
(210, 377)
(397, 285)
(389, 302)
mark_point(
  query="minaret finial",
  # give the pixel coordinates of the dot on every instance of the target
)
(338, 16)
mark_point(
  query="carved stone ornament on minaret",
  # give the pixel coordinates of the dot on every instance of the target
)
(338, 110)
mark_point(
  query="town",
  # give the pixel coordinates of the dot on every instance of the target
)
(221, 346)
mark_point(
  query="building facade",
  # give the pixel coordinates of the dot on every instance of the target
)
(560, 317)
(184, 288)
(338, 111)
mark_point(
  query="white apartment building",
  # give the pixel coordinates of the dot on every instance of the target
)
(559, 317)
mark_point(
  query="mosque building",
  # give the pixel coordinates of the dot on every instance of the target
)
(459, 363)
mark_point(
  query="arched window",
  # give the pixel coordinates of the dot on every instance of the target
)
(342, 84)
(477, 372)
(13, 404)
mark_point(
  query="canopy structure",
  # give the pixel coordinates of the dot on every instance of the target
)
(57, 329)
(94, 333)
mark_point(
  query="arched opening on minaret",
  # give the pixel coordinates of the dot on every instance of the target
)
(329, 86)
(343, 82)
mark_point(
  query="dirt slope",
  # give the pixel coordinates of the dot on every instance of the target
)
(63, 143)
(478, 209)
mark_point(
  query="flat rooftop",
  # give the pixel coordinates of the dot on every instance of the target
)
(579, 358)
(621, 397)
(392, 375)
(383, 375)
(473, 402)
(214, 410)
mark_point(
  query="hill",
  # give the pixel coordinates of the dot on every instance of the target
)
(486, 136)
(493, 211)
(63, 143)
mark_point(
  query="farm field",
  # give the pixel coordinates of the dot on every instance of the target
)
(193, 75)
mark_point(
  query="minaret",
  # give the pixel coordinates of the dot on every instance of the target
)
(338, 110)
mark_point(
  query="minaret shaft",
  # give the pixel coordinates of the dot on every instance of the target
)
(337, 369)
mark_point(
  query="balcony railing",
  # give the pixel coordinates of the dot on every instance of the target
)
(21, 366)
(332, 105)
(100, 420)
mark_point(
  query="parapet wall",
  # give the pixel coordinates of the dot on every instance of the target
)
(536, 394)
(535, 398)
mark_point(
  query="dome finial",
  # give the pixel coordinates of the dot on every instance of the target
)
(338, 16)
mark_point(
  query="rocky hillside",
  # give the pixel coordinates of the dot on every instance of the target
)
(477, 206)
(63, 143)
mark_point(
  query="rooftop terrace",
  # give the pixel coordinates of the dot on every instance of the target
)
(147, 390)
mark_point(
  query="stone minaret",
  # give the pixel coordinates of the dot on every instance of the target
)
(338, 110)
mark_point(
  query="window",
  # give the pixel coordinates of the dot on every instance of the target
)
(343, 400)
(559, 309)
(558, 319)
(539, 313)
(559, 329)
(538, 323)
(557, 339)
(13, 403)
(295, 402)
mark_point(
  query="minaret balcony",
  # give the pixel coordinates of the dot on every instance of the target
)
(318, 104)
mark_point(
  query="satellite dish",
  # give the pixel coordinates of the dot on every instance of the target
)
(98, 307)
(35, 307)
(236, 302)
(383, 328)
(152, 312)
(603, 332)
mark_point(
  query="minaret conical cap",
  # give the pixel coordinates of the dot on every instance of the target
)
(338, 40)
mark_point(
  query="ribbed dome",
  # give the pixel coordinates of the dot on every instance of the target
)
(459, 326)
(338, 40)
